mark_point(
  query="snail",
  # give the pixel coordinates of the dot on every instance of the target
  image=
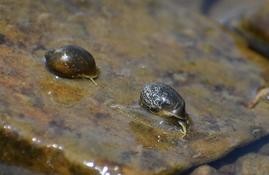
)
(71, 62)
(163, 100)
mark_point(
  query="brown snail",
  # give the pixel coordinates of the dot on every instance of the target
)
(163, 100)
(71, 62)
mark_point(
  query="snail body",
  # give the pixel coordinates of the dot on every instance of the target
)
(71, 62)
(163, 100)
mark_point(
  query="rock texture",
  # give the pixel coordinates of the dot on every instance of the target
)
(252, 25)
(264, 149)
(252, 164)
(14, 170)
(64, 126)
(205, 170)
(249, 164)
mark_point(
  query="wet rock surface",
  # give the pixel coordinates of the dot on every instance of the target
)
(257, 23)
(62, 126)
(252, 26)
(14, 170)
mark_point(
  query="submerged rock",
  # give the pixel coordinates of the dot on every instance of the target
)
(47, 122)
(252, 164)
(205, 170)
(249, 164)
(264, 149)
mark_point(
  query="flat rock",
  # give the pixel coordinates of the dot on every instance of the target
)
(64, 126)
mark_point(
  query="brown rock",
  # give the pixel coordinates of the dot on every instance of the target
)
(252, 25)
(14, 170)
(205, 170)
(227, 169)
(264, 149)
(258, 23)
(252, 164)
(67, 127)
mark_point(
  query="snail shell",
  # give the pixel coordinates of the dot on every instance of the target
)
(162, 99)
(71, 62)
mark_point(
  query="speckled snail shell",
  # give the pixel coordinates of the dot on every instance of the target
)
(162, 99)
(71, 62)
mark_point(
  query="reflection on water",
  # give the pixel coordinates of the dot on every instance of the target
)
(103, 170)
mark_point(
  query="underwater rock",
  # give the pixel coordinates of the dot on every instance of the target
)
(205, 170)
(252, 164)
(264, 149)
